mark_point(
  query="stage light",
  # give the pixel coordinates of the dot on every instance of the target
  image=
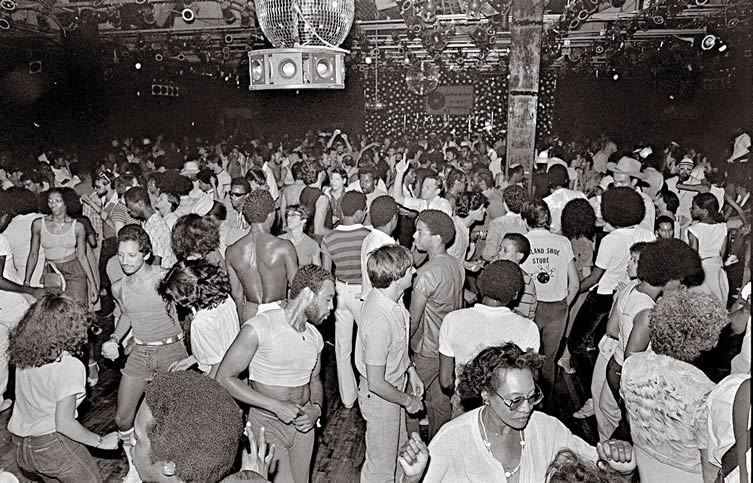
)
(616, 76)
(708, 42)
(367, 60)
(138, 65)
(722, 46)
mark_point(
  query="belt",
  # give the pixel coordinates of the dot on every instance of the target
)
(348, 283)
(65, 259)
(168, 341)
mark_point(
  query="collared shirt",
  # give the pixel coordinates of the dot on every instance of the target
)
(374, 240)
(159, 235)
(383, 337)
(556, 203)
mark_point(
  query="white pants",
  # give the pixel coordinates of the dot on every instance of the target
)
(606, 410)
(348, 311)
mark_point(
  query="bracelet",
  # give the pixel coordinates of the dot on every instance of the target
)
(99, 441)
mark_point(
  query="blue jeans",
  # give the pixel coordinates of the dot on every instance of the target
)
(56, 458)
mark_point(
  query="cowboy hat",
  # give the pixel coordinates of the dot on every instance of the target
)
(628, 166)
(189, 168)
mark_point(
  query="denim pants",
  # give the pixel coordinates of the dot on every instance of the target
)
(347, 312)
(56, 458)
(385, 434)
(293, 449)
(551, 319)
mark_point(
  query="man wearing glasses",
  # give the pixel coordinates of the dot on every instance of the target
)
(235, 226)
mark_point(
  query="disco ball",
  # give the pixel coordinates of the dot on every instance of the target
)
(422, 78)
(291, 23)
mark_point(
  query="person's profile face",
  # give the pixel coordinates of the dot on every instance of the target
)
(508, 250)
(322, 305)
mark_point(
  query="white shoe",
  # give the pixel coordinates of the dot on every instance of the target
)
(5, 404)
(132, 476)
(731, 260)
(586, 411)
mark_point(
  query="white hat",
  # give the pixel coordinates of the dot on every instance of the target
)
(554, 161)
(644, 152)
(189, 168)
(628, 166)
(203, 206)
(741, 147)
(686, 162)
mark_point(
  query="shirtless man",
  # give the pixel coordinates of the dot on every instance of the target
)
(259, 264)
(282, 351)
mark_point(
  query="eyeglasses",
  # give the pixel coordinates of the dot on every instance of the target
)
(515, 404)
(236, 195)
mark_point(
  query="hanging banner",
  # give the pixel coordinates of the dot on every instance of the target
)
(450, 100)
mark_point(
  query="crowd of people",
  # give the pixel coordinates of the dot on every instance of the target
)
(462, 289)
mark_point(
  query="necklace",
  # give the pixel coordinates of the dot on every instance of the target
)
(488, 445)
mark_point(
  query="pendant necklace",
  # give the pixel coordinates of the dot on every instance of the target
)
(488, 445)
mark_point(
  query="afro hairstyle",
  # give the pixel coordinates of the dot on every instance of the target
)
(622, 207)
(516, 198)
(501, 280)
(578, 219)
(438, 223)
(195, 424)
(665, 260)
(382, 210)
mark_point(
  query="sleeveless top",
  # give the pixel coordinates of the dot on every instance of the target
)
(284, 357)
(309, 197)
(58, 246)
(629, 305)
(147, 312)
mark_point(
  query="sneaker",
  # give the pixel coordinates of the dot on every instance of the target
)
(93, 377)
(586, 411)
(731, 260)
(5, 404)
(132, 476)
(565, 364)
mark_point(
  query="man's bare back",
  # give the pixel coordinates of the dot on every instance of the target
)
(259, 265)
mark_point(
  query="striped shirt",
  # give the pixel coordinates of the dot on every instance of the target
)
(343, 246)
(527, 303)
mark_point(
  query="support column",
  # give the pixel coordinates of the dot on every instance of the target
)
(522, 101)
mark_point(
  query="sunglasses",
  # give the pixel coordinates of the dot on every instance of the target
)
(515, 404)
(236, 195)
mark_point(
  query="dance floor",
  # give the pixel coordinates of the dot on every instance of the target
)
(340, 445)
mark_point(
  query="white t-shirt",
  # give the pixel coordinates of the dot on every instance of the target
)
(438, 203)
(547, 264)
(556, 203)
(458, 454)
(466, 332)
(614, 252)
(212, 333)
(374, 240)
(13, 305)
(38, 390)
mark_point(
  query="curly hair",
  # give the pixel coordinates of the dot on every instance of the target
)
(195, 284)
(683, 324)
(501, 280)
(578, 219)
(438, 223)
(171, 182)
(469, 201)
(310, 172)
(21, 201)
(569, 467)
(194, 236)
(195, 424)
(665, 260)
(537, 214)
(258, 205)
(311, 276)
(53, 324)
(453, 177)
(480, 374)
(622, 207)
(516, 198)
